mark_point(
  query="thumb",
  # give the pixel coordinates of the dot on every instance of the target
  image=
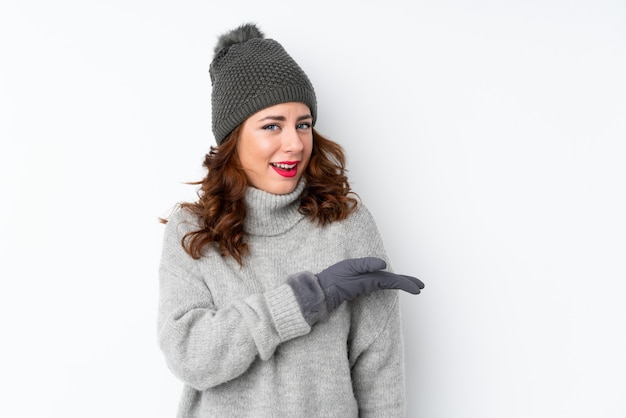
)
(367, 264)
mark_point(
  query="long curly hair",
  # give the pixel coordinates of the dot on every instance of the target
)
(221, 209)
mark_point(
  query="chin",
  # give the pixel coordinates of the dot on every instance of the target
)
(282, 188)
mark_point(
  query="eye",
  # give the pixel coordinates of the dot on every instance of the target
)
(271, 127)
(304, 125)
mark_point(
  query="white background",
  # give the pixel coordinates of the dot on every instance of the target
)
(487, 137)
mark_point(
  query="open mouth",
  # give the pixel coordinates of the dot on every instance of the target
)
(286, 168)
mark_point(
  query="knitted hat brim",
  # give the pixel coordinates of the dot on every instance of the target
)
(263, 101)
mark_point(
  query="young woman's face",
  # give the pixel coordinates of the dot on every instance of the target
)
(275, 146)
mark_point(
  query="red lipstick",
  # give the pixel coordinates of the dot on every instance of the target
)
(286, 168)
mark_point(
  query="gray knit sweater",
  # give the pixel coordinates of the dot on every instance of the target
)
(237, 338)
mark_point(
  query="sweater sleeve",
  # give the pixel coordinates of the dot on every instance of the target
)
(377, 356)
(205, 346)
(376, 349)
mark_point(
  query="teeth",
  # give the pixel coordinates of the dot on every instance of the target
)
(284, 166)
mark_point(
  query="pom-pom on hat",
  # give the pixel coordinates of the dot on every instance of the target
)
(249, 73)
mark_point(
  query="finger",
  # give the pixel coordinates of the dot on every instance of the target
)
(415, 280)
(398, 281)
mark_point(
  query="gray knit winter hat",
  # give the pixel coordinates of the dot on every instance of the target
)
(250, 73)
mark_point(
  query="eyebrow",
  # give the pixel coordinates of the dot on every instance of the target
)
(282, 118)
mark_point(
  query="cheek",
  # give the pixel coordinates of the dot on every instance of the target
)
(262, 148)
(253, 153)
(308, 150)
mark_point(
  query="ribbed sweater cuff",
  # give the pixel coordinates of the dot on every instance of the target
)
(286, 314)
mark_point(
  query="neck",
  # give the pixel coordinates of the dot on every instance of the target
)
(271, 214)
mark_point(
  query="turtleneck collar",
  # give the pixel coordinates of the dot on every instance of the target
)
(272, 214)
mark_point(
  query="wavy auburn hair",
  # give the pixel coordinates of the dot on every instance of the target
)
(221, 209)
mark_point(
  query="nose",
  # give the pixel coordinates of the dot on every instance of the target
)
(292, 142)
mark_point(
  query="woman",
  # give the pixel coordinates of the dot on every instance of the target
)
(254, 275)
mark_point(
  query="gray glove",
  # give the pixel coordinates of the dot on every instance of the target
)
(361, 276)
(320, 294)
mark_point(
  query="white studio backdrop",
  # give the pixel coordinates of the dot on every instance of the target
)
(487, 137)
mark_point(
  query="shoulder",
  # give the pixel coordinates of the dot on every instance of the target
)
(361, 234)
(178, 225)
(360, 216)
(181, 222)
(362, 222)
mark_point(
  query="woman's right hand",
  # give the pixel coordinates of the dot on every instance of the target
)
(354, 277)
